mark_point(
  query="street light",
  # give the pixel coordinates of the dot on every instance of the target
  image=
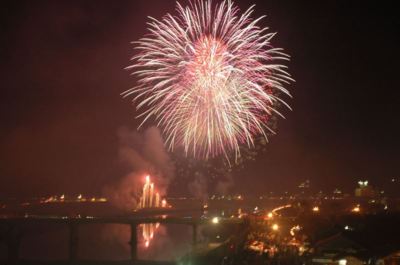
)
(215, 220)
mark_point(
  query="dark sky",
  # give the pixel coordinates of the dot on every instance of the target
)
(62, 72)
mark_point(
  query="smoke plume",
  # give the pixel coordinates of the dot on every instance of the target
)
(199, 186)
(141, 154)
(224, 184)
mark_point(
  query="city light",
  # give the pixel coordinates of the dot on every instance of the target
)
(275, 227)
(240, 213)
(315, 209)
(363, 183)
(294, 229)
(215, 220)
(349, 228)
(281, 208)
(356, 209)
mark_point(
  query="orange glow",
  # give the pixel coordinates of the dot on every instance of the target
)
(148, 232)
(294, 229)
(240, 214)
(150, 197)
(356, 209)
(315, 209)
(281, 208)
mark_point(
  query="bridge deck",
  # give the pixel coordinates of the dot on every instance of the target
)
(124, 262)
(116, 220)
(13, 236)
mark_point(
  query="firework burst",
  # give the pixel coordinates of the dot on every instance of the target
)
(209, 77)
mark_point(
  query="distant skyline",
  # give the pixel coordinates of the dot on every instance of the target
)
(62, 75)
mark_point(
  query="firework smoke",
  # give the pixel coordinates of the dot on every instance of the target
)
(210, 78)
(142, 154)
(199, 186)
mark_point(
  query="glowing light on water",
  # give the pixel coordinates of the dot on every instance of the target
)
(150, 199)
(148, 231)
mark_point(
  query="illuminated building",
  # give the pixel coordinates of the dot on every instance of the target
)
(304, 188)
(364, 190)
(305, 185)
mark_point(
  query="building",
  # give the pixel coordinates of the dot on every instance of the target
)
(349, 249)
(364, 190)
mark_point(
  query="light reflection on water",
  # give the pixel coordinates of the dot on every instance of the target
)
(106, 242)
(169, 241)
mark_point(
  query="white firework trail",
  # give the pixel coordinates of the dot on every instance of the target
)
(209, 77)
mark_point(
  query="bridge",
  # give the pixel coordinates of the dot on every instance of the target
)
(13, 235)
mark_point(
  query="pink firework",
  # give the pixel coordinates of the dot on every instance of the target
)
(209, 77)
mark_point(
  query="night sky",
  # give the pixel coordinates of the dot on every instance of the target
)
(62, 72)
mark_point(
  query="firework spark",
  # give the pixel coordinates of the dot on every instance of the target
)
(210, 78)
